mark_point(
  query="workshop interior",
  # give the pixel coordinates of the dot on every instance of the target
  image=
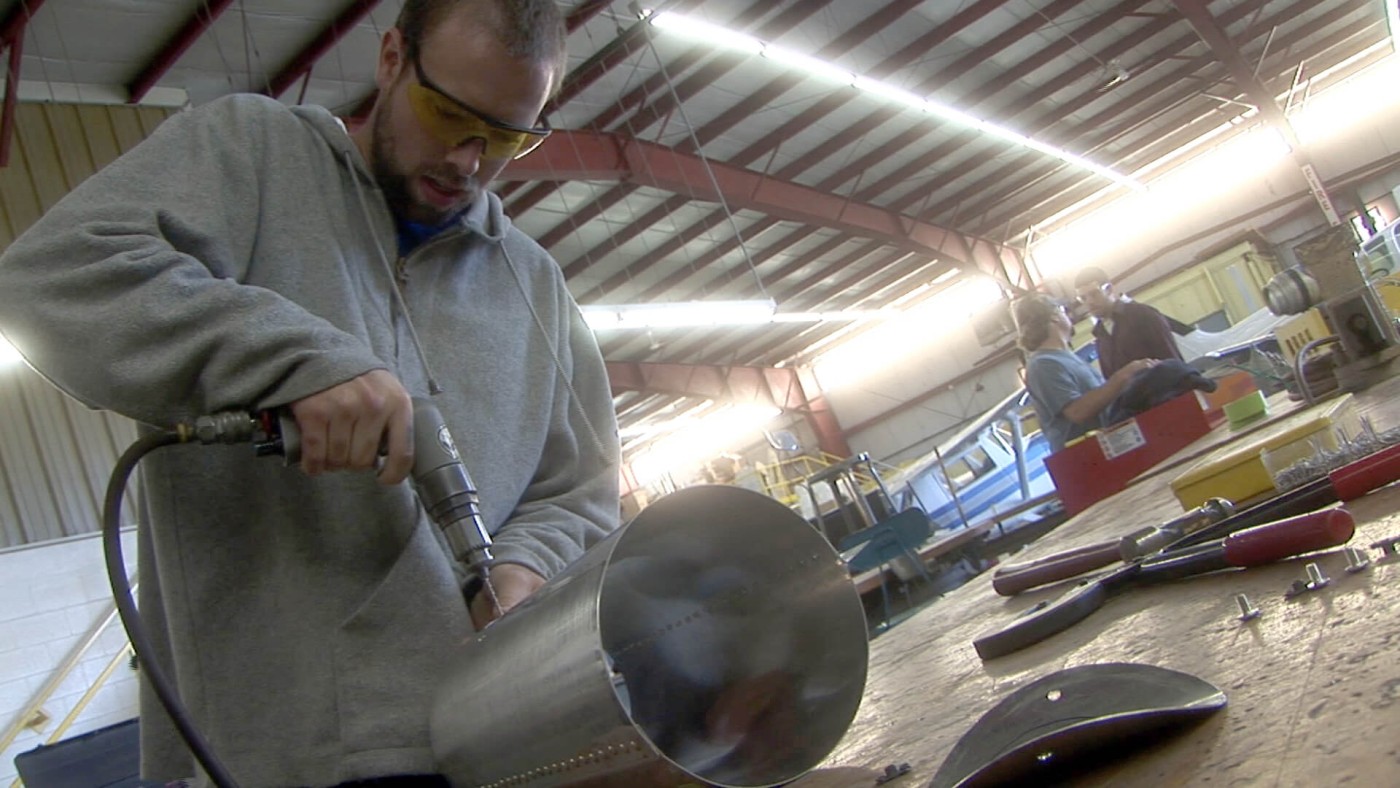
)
(851, 552)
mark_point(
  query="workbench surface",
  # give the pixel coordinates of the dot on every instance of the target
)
(1313, 684)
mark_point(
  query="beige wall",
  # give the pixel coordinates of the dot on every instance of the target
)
(55, 454)
(56, 147)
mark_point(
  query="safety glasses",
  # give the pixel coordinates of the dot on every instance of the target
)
(455, 123)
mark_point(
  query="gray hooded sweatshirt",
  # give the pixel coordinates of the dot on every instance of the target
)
(241, 257)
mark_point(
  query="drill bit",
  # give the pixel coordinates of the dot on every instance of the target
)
(491, 598)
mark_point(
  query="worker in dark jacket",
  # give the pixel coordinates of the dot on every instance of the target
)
(1124, 330)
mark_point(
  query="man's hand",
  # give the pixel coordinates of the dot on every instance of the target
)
(1126, 372)
(1086, 407)
(512, 584)
(344, 427)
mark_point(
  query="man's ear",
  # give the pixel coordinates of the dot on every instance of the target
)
(393, 59)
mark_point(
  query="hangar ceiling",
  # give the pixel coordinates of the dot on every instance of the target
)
(686, 171)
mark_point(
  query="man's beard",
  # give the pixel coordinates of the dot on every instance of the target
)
(395, 184)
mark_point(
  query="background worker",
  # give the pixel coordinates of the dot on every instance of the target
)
(1124, 330)
(1069, 395)
(252, 255)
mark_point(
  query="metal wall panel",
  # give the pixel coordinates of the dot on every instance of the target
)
(55, 458)
(56, 146)
(56, 454)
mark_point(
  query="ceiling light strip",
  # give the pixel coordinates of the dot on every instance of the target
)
(724, 38)
(1392, 19)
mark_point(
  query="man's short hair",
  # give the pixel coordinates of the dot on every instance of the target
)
(1033, 314)
(1091, 275)
(528, 29)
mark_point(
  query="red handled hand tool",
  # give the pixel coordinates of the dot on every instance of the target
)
(1347, 483)
(1255, 546)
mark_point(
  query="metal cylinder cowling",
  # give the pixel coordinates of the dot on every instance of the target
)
(715, 637)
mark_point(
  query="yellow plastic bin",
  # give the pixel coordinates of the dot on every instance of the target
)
(1241, 473)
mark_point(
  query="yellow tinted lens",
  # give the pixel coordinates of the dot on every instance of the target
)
(453, 126)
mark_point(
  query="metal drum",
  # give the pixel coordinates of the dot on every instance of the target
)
(716, 637)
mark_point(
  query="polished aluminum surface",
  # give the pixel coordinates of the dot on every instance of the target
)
(717, 636)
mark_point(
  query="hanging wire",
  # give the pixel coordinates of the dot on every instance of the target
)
(705, 163)
(250, 43)
(43, 66)
(594, 190)
(219, 48)
(628, 123)
(340, 64)
(62, 45)
(247, 54)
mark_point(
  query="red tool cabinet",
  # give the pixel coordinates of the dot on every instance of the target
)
(1103, 463)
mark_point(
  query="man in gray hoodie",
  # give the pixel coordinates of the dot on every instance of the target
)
(251, 255)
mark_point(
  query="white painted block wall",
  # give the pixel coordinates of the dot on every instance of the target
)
(51, 595)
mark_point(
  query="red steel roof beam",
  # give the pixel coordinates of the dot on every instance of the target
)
(706, 75)
(1210, 31)
(1024, 160)
(7, 113)
(305, 60)
(834, 101)
(620, 237)
(1187, 75)
(1190, 87)
(614, 53)
(1021, 277)
(745, 108)
(660, 84)
(594, 156)
(721, 63)
(13, 26)
(194, 28)
(12, 38)
(583, 12)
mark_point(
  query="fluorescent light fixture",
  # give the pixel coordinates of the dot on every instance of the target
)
(848, 316)
(9, 356)
(1220, 164)
(602, 317)
(700, 30)
(724, 38)
(1356, 100)
(814, 66)
(962, 118)
(694, 441)
(39, 91)
(889, 92)
(1392, 19)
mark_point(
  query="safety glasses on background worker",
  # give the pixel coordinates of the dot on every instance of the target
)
(454, 123)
